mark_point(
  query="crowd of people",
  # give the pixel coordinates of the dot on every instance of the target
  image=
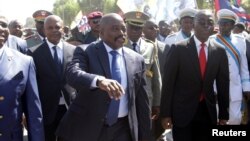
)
(127, 79)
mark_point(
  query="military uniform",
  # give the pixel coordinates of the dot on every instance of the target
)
(149, 51)
(175, 37)
(36, 39)
(238, 67)
(179, 36)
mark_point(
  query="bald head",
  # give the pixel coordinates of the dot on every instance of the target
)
(53, 18)
(109, 18)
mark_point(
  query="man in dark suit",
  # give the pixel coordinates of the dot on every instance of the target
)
(188, 103)
(18, 93)
(88, 117)
(50, 59)
(247, 96)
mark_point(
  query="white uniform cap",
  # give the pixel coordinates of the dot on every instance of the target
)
(187, 12)
(226, 14)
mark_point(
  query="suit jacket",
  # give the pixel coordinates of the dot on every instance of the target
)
(17, 44)
(86, 115)
(51, 86)
(183, 84)
(149, 51)
(162, 55)
(18, 95)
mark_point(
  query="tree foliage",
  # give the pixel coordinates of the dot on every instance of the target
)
(66, 9)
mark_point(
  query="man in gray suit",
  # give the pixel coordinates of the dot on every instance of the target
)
(88, 117)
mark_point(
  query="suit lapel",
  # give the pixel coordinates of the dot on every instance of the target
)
(129, 69)
(5, 62)
(66, 56)
(103, 58)
(194, 56)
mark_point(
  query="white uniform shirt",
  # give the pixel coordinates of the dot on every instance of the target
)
(239, 76)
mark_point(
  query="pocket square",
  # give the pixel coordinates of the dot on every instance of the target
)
(18, 76)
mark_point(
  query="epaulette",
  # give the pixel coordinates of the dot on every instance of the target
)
(154, 46)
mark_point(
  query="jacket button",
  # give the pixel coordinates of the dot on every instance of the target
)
(1, 98)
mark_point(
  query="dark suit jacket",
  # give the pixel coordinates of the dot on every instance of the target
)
(86, 115)
(18, 95)
(50, 85)
(182, 83)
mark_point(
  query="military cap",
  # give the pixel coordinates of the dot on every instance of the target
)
(187, 12)
(94, 15)
(136, 18)
(40, 15)
(224, 15)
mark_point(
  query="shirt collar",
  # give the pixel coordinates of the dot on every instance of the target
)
(138, 42)
(60, 44)
(198, 42)
(108, 48)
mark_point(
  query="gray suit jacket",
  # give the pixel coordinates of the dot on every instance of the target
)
(86, 115)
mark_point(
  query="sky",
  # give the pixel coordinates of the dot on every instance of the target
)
(21, 9)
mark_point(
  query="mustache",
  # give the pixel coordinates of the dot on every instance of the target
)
(118, 37)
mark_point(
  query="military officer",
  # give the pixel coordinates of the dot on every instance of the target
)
(186, 18)
(39, 37)
(134, 22)
(235, 47)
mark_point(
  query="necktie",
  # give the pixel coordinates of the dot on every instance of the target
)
(134, 46)
(203, 61)
(57, 61)
(113, 110)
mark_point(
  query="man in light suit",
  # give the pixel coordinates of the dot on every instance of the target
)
(50, 59)
(18, 93)
(90, 73)
(188, 103)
